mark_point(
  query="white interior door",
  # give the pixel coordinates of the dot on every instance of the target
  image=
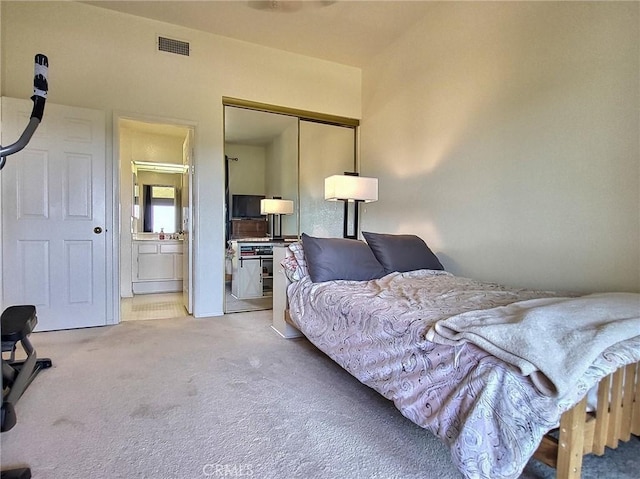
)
(53, 216)
(187, 214)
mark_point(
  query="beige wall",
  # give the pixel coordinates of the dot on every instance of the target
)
(156, 148)
(107, 60)
(247, 176)
(507, 136)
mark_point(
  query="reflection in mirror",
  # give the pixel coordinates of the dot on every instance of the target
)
(160, 212)
(279, 155)
(261, 161)
(261, 151)
(325, 150)
(157, 199)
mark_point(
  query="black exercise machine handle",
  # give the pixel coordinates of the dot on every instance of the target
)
(40, 86)
(40, 90)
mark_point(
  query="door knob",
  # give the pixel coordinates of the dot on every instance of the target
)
(97, 230)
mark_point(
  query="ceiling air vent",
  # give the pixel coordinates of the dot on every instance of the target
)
(171, 45)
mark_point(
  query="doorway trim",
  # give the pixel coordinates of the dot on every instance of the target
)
(117, 181)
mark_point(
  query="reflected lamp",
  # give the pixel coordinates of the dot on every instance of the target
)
(275, 208)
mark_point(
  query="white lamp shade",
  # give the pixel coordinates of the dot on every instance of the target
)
(347, 187)
(276, 207)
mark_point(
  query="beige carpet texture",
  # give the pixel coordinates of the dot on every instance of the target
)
(221, 397)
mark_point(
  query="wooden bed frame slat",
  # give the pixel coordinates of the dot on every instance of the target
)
(635, 420)
(571, 441)
(589, 433)
(615, 408)
(547, 451)
(627, 401)
(617, 418)
(602, 413)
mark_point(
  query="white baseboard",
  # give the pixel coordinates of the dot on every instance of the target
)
(147, 287)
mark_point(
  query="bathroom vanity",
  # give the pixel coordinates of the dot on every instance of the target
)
(157, 265)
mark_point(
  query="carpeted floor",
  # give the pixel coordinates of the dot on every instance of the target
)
(221, 397)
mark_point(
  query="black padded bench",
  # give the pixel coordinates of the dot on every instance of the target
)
(16, 324)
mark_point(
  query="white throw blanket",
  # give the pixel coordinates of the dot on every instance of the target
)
(552, 340)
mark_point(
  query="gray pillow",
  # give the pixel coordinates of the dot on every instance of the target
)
(401, 252)
(337, 258)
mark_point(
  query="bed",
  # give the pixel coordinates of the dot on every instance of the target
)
(371, 309)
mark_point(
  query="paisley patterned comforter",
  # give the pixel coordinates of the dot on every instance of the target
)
(491, 417)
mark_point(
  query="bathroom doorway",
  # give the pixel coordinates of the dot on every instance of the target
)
(155, 203)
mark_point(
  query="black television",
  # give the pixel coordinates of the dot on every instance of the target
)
(246, 206)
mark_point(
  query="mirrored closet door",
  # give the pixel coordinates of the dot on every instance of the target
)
(261, 162)
(325, 150)
(282, 154)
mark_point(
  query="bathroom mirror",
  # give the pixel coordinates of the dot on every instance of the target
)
(160, 211)
(157, 199)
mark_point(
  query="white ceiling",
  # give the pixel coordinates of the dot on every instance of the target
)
(347, 32)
